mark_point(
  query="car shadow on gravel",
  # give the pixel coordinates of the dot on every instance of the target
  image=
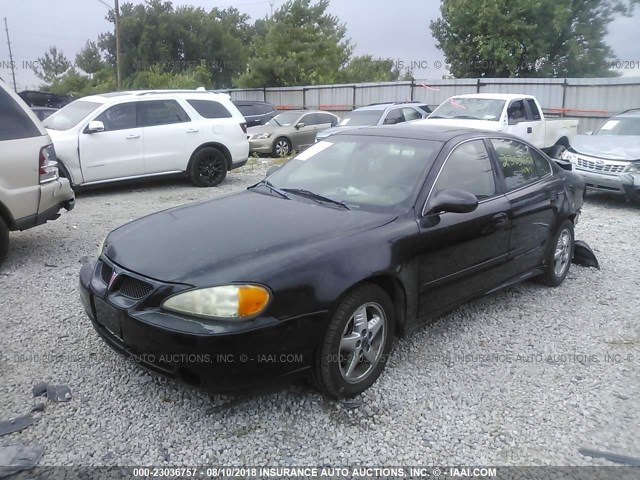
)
(609, 200)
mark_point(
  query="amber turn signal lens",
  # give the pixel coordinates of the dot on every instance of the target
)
(252, 299)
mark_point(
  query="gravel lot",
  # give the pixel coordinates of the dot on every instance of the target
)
(519, 378)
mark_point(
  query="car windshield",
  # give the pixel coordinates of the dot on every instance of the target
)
(283, 119)
(70, 115)
(379, 174)
(360, 118)
(470, 108)
(621, 126)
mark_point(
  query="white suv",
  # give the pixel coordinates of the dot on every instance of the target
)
(125, 135)
(31, 193)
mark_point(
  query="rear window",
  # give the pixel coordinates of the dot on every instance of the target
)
(14, 122)
(210, 109)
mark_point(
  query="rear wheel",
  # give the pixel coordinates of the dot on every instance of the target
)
(207, 168)
(356, 343)
(4, 240)
(559, 255)
(557, 151)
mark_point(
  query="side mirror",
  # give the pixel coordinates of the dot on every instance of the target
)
(94, 127)
(390, 121)
(300, 125)
(588, 133)
(273, 169)
(454, 201)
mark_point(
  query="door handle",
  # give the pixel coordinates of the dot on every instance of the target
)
(193, 130)
(132, 137)
(500, 219)
(529, 130)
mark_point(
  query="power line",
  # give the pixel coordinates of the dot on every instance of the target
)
(13, 67)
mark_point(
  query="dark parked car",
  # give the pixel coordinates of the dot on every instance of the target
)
(45, 99)
(314, 270)
(44, 112)
(255, 112)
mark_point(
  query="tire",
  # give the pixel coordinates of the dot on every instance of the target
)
(559, 255)
(352, 354)
(634, 197)
(4, 240)
(557, 151)
(281, 147)
(207, 167)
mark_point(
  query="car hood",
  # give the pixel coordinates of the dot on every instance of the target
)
(333, 130)
(240, 233)
(614, 147)
(272, 129)
(461, 122)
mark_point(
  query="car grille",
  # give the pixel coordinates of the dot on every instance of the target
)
(133, 288)
(105, 273)
(600, 167)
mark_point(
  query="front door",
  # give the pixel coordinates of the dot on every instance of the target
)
(118, 151)
(463, 254)
(520, 122)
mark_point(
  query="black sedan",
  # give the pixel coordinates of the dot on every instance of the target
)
(314, 270)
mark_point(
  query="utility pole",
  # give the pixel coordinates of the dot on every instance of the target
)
(118, 64)
(13, 69)
(271, 3)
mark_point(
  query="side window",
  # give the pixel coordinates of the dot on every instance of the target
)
(517, 162)
(541, 163)
(394, 116)
(210, 109)
(119, 117)
(14, 122)
(516, 111)
(161, 112)
(262, 109)
(325, 118)
(534, 109)
(411, 114)
(468, 168)
(309, 119)
(246, 110)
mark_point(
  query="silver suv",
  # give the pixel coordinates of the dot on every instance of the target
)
(31, 192)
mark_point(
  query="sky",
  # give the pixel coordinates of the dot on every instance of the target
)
(398, 29)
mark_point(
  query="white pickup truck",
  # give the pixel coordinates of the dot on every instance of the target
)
(517, 114)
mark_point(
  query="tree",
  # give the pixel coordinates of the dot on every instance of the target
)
(52, 66)
(89, 59)
(527, 38)
(368, 69)
(156, 35)
(300, 45)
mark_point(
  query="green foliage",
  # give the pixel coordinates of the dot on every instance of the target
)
(368, 69)
(301, 45)
(527, 38)
(52, 66)
(89, 59)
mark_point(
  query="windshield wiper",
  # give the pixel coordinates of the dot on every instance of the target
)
(469, 117)
(439, 116)
(270, 186)
(314, 196)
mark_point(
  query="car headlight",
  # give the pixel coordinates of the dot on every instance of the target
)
(633, 168)
(260, 136)
(229, 301)
(569, 155)
(101, 247)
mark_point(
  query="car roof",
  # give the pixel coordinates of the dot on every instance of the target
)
(236, 101)
(495, 96)
(305, 111)
(385, 106)
(108, 97)
(439, 133)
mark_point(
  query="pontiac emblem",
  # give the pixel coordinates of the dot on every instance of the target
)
(114, 277)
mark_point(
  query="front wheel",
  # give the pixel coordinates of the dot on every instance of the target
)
(559, 255)
(207, 168)
(557, 151)
(281, 147)
(4, 240)
(356, 343)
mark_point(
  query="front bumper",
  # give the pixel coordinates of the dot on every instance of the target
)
(261, 146)
(212, 355)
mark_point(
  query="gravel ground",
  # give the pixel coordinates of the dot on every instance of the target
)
(524, 377)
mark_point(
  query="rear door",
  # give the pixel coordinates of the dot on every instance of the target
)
(170, 135)
(463, 254)
(535, 196)
(118, 152)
